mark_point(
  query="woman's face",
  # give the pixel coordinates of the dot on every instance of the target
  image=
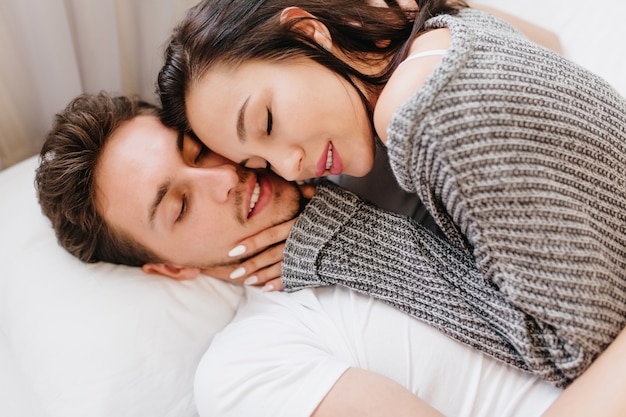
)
(297, 115)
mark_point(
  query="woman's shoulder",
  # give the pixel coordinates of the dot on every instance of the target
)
(455, 33)
(425, 53)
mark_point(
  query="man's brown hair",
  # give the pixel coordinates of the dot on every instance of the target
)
(65, 178)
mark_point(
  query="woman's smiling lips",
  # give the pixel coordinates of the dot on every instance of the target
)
(330, 161)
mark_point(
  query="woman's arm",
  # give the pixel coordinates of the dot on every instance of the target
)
(341, 240)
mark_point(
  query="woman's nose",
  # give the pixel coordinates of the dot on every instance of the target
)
(217, 182)
(290, 164)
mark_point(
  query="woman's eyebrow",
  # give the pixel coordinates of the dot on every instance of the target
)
(241, 128)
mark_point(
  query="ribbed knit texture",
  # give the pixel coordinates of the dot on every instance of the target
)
(521, 157)
(339, 239)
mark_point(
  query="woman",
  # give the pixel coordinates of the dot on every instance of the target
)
(516, 152)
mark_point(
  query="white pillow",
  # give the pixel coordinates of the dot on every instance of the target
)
(98, 339)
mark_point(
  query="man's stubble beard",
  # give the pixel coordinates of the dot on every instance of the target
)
(295, 209)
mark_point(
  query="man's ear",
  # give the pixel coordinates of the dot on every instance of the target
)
(307, 25)
(179, 273)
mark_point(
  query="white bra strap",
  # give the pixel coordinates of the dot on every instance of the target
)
(422, 54)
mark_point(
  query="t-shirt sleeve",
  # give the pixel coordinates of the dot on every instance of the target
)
(265, 369)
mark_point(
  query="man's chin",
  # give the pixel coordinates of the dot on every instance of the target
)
(302, 201)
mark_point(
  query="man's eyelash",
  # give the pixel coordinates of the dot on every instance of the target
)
(269, 121)
(203, 152)
(183, 209)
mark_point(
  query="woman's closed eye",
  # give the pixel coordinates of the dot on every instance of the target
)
(192, 149)
(270, 121)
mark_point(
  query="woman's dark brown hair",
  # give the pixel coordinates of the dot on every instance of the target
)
(234, 31)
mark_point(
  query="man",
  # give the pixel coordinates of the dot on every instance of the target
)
(151, 217)
(121, 187)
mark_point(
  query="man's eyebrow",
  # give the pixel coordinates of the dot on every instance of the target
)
(241, 128)
(165, 186)
(163, 189)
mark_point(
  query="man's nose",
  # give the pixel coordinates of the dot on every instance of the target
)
(217, 182)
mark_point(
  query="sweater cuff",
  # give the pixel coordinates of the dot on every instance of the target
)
(323, 216)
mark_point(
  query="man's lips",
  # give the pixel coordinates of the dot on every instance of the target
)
(259, 193)
(255, 196)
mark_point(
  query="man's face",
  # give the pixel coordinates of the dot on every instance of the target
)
(189, 208)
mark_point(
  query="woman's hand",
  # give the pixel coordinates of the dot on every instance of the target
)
(261, 255)
(261, 258)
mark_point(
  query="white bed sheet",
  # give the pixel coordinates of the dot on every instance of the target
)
(591, 35)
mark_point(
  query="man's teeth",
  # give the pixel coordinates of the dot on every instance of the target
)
(255, 196)
(329, 157)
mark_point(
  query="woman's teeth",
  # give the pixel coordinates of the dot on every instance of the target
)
(255, 196)
(329, 157)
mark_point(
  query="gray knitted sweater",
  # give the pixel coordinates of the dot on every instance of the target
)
(520, 155)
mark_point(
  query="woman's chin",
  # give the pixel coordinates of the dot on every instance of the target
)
(361, 169)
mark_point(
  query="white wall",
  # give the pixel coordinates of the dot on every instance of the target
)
(53, 50)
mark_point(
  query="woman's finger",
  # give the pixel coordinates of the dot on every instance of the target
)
(262, 240)
(264, 259)
(269, 275)
(274, 285)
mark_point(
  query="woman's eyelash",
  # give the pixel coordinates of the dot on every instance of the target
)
(183, 209)
(269, 121)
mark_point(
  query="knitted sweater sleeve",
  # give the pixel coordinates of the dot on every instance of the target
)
(342, 240)
(520, 155)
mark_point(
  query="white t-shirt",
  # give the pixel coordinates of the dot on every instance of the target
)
(283, 353)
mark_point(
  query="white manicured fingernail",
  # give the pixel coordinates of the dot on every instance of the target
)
(268, 288)
(237, 250)
(251, 280)
(237, 273)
